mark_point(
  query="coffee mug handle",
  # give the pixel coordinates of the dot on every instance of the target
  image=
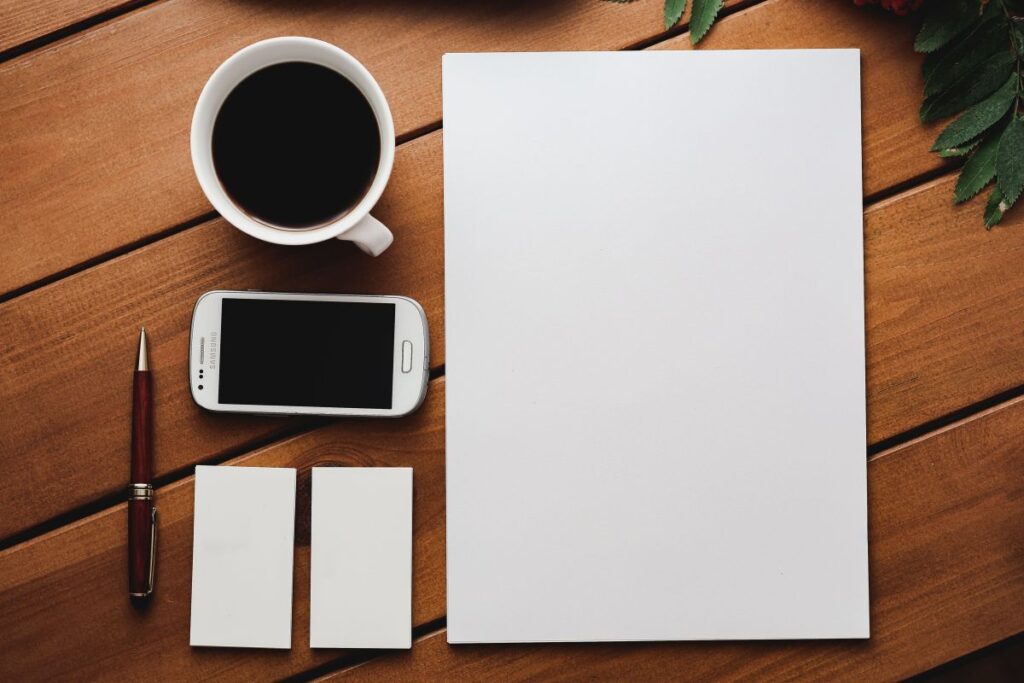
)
(370, 235)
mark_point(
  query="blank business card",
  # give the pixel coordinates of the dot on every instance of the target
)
(242, 557)
(361, 558)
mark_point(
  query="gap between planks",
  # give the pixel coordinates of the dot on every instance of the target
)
(100, 504)
(436, 628)
(129, 6)
(402, 139)
(355, 659)
(169, 232)
(73, 28)
(920, 431)
(893, 192)
(429, 629)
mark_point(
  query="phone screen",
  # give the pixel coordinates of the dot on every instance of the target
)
(336, 354)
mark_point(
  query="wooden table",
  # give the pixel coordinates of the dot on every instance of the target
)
(103, 228)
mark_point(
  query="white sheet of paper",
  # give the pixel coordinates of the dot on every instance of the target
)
(655, 346)
(361, 558)
(242, 557)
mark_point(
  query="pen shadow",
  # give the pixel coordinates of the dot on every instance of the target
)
(140, 605)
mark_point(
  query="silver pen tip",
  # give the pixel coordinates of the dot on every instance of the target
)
(143, 360)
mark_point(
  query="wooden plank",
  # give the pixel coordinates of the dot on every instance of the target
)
(947, 575)
(895, 143)
(67, 339)
(945, 301)
(1003, 661)
(946, 521)
(96, 128)
(25, 21)
(65, 365)
(66, 610)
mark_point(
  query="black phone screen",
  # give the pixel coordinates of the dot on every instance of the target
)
(279, 352)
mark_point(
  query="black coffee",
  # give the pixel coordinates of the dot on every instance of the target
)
(296, 145)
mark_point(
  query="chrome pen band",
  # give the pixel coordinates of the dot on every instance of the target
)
(140, 492)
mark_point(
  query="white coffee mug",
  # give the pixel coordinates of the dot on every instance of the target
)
(357, 225)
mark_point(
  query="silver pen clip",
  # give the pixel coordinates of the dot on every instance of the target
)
(152, 552)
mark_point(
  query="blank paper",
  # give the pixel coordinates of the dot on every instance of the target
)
(655, 346)
(242, 556)
(361, 558)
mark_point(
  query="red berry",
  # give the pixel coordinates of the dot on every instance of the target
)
(897, 6)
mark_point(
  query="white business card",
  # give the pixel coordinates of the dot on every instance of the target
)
(361, 558)
(242, 557)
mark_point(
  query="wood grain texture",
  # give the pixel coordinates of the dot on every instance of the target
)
(96, 129)
(25, 21)
(946, 527)
(895, 144)
(66, 612)
(1000, 663)
(947, 576)
(943, 295)
(944, 305)
(69, 349)
(944, 301)
(94, 132)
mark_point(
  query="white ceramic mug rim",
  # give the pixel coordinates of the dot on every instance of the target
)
(239, 66)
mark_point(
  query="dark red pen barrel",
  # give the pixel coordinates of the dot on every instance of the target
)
(140, 500)
(140, 538)
(142, 428)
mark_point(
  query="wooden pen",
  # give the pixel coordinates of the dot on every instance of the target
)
(141, 511)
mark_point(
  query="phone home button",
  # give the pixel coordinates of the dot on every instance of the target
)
(407, 356)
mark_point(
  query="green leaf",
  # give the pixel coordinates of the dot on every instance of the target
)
(978, 118)
(702, 16)
(674, 12)
(970, 88)
(963, 57)
(956, 48)
(943, 22)
(995, 208)
(1010, 160)
(960, 150)
(1018, 36)
(978, 171)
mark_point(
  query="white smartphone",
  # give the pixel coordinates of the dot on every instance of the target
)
(308, 354)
